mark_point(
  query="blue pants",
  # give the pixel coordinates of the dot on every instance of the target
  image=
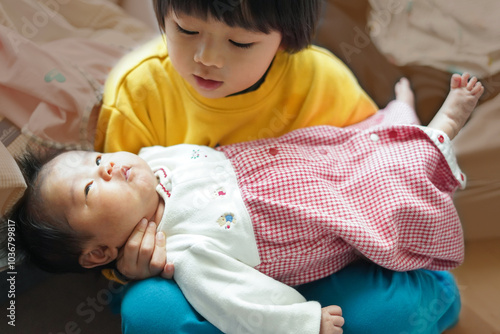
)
(373, 300)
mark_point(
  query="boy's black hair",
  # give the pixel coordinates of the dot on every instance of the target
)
(48, 242)
(295, 19)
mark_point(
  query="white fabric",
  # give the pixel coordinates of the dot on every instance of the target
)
(214, 265)
(443, 143)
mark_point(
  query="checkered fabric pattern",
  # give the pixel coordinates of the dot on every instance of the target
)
(318, 194)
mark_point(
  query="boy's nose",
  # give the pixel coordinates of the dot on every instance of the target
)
(209, 54)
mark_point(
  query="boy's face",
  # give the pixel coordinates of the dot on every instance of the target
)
(215, 59)
(104, 195)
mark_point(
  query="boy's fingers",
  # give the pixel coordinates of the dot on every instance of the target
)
(127, 263)
(161, 241)
(135, 239)
(144, 254)
(168, 271)
(147, 246)
(159, 255)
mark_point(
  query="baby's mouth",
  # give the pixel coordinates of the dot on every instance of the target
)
(126, 172)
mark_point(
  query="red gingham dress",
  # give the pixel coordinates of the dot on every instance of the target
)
(383, 191)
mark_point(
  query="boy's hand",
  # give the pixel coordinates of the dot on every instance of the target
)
(331, 320)
(144, 255)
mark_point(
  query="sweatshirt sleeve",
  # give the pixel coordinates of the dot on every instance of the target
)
(133, 114)
(236, 298)
(334, 96)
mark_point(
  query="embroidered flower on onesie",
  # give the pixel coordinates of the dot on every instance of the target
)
(226, 220)
(196, 154)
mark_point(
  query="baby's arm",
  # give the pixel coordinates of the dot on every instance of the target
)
(235, 297)
(144, 255)
(331, 320)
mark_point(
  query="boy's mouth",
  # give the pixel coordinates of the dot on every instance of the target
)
(207, 84)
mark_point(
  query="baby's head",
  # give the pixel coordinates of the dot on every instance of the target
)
(80, 207)
(225, 47)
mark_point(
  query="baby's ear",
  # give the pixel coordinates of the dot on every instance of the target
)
(98, 257)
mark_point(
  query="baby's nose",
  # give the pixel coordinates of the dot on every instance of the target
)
(106, 170)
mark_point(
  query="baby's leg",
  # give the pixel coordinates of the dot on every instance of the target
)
(459, 104)
(404, 92)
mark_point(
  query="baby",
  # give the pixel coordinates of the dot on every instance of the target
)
(247, 221)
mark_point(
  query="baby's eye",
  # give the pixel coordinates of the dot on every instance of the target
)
(241, 45)
(98, 160)
(184, 31)
(87, 188)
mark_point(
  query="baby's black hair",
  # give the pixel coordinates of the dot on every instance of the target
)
(48, 242)
(295, 19)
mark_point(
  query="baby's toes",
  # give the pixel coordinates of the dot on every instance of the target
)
(456, 80)
(478, 89)
(472, 82)
(465, 79)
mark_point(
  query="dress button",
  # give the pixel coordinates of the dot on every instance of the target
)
(374, 137)
(273, 151)
(441, 139)
(322, 151)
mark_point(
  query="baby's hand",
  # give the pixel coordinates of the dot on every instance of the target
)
(331, 320)
(144, 255)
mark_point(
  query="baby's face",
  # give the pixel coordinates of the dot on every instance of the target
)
(215, 59)
(104, 195)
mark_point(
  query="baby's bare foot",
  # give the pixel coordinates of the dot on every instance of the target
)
(459, 104)
(404, 92)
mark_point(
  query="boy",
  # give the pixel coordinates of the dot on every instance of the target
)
(305, 240)
(222, 75)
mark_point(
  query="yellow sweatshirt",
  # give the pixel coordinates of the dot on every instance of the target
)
(146, 102)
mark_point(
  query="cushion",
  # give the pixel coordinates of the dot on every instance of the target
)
(12, 183)
(75, 44)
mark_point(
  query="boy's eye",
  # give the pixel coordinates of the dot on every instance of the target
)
(184, 31)
(98, 161)
(241, 45)
(87, 188)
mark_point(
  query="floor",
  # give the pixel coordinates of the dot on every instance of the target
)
(82, 302)
(62, 304)
(479, 283)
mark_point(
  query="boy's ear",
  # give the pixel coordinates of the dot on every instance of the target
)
(98, 257)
